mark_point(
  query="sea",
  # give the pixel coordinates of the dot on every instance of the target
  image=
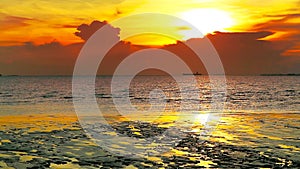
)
(257, 124)
(30, 94)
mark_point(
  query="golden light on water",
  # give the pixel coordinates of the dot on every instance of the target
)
(202, 118)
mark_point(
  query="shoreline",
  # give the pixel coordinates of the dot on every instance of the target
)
(245, 141)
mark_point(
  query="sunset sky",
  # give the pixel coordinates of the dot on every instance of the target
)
(30, 29)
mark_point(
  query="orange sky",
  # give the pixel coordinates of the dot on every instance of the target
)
(38, 36)
(42, 21)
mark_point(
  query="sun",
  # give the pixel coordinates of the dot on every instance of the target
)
(206, 20)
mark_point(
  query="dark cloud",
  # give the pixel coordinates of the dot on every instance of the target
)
(29, 59)
(244, 53)
(85, 31)
(9, 42)
(241, 53)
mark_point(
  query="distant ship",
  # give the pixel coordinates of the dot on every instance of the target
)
(195, 74)
(8, 75)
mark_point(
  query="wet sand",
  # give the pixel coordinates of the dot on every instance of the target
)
(241, 140)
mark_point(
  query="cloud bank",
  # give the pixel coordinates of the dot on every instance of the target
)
(242, 53)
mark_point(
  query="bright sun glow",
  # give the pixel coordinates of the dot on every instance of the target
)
(207, 20)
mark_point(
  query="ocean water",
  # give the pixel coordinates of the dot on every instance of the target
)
(258, 125)
(244, 93)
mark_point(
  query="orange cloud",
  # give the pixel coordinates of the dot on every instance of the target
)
(242, 53)
(287, 27)
(10, 22)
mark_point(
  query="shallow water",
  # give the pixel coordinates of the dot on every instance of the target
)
(258, 127)
(249, 140)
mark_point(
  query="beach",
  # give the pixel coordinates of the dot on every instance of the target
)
(126, 84)
(55, 141)
(40, 129)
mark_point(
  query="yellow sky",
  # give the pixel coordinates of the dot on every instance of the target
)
(42, 21)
